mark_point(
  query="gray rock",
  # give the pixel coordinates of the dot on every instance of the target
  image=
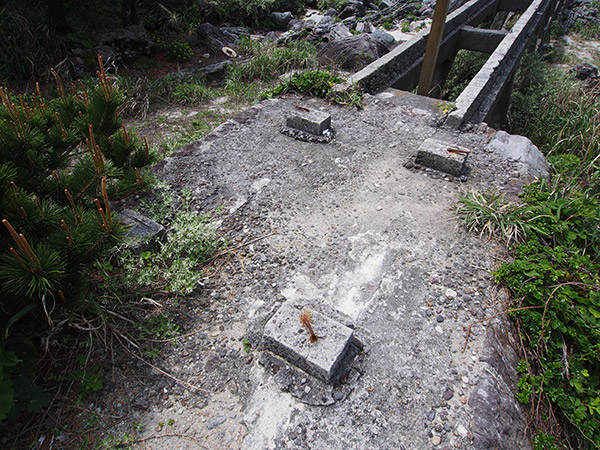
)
(215, 38)
(350, 53)
(271, 36)
(385, 41)
(126, 44)
(143, 233)
(281, 19)
(521, 150)
(585, 70)
(296, 25)
(427, 12)
(216, 421)
(353, 8)
(448, 394)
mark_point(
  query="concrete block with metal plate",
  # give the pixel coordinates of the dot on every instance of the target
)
(326, 357)
(310, 121)
(440, 155)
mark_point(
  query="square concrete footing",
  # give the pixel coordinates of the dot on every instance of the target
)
(309, 121)
(325, 359)
(442, 156)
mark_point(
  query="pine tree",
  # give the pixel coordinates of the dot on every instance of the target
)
(62, 160)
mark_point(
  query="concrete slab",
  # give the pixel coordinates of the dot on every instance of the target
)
(310, 121)
(323, 359)
(369, 242)
(443, 156)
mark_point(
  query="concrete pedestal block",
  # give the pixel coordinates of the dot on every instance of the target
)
(325, 359)
(311, 121)
(442, 156)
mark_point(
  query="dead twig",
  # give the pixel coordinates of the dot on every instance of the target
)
(181, 435)
(168, 375)
(237, 247)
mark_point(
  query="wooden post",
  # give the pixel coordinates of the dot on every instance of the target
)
(433, 46)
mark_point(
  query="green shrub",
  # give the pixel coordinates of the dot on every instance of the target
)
(335, 4)
(464, 68)
(562, 119)
(313, 82)
(62, 160)
(556, 266)
(176, 50)
(192, 93)
(253, 12)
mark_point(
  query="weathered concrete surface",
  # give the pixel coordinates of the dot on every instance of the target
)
(372, 245)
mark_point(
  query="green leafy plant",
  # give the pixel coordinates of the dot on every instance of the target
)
(89, 377)
(191, 240)
(176, 50)
(318, 83)
(18, 393)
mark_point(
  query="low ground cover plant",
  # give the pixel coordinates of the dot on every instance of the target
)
(554, 278)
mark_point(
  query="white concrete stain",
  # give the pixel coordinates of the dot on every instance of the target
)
(268, 415)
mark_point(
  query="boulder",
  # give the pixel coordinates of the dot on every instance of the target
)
(281, 19)
(585, 70)
(126, 44)
(353, 8)
(530, 161)
(214, 38)
(296, 25)
(384, 40)
(350, 53)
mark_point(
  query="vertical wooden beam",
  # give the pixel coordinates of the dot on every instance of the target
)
(433, 46)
